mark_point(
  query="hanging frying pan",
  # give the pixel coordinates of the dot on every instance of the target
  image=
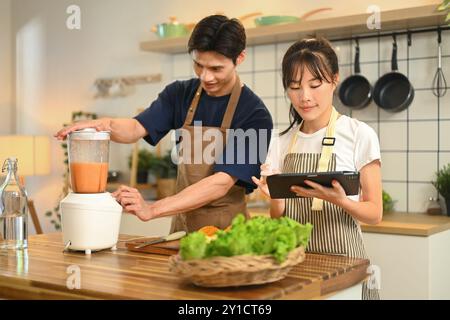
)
(356, 92)
(393, 92)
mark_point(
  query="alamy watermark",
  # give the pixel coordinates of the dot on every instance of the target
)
(74, 279)
(374, 281)
(374, 20)
(73, 21)
(211, 145)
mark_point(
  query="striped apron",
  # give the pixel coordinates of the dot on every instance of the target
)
(334, 230)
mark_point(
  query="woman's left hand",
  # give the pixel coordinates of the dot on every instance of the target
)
(131, 200)
(335, 195)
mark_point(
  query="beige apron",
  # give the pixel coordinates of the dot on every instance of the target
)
(334, 230)
(219, 212)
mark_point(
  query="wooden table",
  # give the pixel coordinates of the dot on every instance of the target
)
(42, 272)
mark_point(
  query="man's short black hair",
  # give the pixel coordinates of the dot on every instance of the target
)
(220, 34)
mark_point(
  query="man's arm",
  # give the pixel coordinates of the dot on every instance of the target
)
(122, 130)
(195, 196)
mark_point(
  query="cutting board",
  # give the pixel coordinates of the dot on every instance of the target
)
(165, 248)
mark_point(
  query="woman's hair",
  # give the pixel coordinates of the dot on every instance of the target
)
(318, 56)
(220, 34)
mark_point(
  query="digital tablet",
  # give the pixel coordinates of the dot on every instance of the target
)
(280, 184)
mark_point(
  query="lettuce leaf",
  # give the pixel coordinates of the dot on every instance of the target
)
(257, 236)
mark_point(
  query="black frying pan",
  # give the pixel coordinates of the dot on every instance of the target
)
(356, 92)
(393, 92)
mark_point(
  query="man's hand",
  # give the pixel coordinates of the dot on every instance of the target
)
(131, 200)
(99, 125)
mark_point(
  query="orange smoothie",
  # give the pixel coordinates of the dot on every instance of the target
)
(88, 177)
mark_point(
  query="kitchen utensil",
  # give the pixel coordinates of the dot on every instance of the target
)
(439, 82)
(355, 92)
(281, 19)
(170, 237)
(90, 216)
(393, 92)
(172, 29)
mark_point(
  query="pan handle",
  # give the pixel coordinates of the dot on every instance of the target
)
(394, 64)
(357, 66)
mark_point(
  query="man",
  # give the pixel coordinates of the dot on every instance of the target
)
(207, 193)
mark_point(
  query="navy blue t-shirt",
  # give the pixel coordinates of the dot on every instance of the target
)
(169, 112)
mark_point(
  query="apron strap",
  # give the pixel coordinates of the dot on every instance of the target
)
(232, 104)
(231, 107)
(327, 151)
(193, 107)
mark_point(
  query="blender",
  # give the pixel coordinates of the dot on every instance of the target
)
(90, 216)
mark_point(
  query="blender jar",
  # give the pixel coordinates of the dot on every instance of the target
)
(88, 152)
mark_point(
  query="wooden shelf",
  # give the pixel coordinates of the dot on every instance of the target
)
(332, 28)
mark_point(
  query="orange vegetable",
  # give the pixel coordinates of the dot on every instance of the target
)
(209, 230)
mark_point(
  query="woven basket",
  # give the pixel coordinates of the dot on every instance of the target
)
(235, 271)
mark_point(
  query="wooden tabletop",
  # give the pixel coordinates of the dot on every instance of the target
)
(42, 272)
(411, 224)
(401, 223)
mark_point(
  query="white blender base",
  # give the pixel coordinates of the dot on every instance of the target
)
(87, 251)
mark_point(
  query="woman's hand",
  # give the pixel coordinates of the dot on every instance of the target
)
(335, 195)
(99, 125)
(131, 200)
(262, 183)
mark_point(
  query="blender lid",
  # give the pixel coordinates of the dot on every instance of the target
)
(98, 201)
(89, 134)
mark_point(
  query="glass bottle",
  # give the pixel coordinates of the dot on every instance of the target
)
(13, 210)
(434, 207)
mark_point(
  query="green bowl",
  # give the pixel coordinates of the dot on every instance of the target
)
(271, 20)
(171, 30)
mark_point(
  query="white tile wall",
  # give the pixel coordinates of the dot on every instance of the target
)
(247, 78)
(265, 84)
(424, 106)
(393, 166)
(247, 65)
(369, 113)
(444, 135)
(421, 73)
(422, 166)
(282, 116)
(265, 57)
(393, 136)
(423, 136)
(445, 104)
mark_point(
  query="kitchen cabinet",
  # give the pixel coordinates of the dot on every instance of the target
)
(43, 271)
(332, 28)
(412, 253)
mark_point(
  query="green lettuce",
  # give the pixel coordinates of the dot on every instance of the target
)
(256, 236)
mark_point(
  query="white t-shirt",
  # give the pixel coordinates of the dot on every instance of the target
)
(356, 145)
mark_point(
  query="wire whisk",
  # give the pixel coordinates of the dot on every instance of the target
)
(439, 82)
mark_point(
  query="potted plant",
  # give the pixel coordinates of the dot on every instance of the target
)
(388, 202)
(442, 185)
(165, 171)
(146, 160)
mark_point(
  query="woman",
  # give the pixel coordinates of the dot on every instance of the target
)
(310, 75)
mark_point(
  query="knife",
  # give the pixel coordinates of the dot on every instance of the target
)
(170, 237)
